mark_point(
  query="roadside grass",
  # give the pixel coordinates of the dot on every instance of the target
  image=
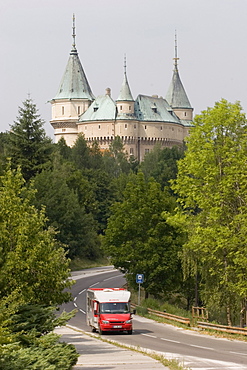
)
(171, 364)
(142, 311)
(81, 264)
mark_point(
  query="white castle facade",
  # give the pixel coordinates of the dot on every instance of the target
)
(140, 123)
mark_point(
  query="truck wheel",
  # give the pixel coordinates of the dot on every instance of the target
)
(93, 330)
(129, 331)
(101, 332)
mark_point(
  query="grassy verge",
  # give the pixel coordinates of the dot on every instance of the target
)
(171, 364)
(81, 264)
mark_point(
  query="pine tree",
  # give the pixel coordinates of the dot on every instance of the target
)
(28, 146)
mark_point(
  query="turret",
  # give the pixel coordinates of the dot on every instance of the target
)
(73, 98)
(125, 102)
(176, 95)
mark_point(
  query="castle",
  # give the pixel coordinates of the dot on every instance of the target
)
(140, 123)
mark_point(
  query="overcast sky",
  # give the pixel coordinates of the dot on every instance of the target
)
(36, 39)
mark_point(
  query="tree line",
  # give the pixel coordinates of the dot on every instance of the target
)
(179, 217)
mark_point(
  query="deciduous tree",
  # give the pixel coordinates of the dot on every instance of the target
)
(212, 189)
(139, 240)
(31, 263)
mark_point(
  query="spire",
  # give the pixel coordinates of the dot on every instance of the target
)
(74, 84)
(125, 93)
(176, 95)
(73, 35)
(176, 53)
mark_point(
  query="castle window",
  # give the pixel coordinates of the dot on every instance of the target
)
(161, 128)
(85, 127)
(99, 127)
(129, 107)
(79, 110)
(125, 126)
(131, 151)
(62, 111)
(145, 127)
(146, 151)
(121, 107)
(154, 108)
(95, 109)
(63, 129)
(185, 114)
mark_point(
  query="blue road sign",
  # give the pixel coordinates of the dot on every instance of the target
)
(139, 278)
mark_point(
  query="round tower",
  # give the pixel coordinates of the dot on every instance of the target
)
(73, 98)
(125, 102)
(176, 95)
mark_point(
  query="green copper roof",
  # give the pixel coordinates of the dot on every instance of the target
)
(148, 108)
(176, 95)
(103, 108)
(74, 84)
(125, 93)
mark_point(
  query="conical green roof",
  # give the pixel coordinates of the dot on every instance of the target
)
(176, 95)
(125, 93)
(74, 84)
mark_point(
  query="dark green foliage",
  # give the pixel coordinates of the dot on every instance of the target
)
(46, 354)
(80, 153)
(30, 322)
(63, 149)
(67, 214)
(161, 164)
(28, 146)
(139, 240)
(115, 159)
(105, 191)
(3, 144)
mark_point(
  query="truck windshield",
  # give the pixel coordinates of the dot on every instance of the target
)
(115, 307)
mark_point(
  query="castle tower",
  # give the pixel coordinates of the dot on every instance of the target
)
(176, 95)
(73, 98)
(125, 102)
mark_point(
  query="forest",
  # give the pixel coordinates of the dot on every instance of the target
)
(178, 217)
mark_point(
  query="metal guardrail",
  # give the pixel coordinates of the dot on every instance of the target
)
(168, 316)
(223, 328)
(200, 324)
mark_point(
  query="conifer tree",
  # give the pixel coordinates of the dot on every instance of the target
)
(28, 146)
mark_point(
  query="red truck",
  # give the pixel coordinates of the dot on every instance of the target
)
(108, 309)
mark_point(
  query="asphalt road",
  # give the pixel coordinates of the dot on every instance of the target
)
(193, 349)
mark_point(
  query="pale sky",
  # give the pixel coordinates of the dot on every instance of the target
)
(36, 39)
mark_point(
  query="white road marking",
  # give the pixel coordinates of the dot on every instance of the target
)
(193, 345)
(82, 291)
(75, 298)
(169, 340)
(113, 277)
(94, 284)
(148, 335)
(75, 304)
(82, 311)
(239, 353)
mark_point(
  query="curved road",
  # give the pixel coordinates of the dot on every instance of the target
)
(194, 350)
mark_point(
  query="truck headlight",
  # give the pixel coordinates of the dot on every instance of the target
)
(105, 322)
(128, 321)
